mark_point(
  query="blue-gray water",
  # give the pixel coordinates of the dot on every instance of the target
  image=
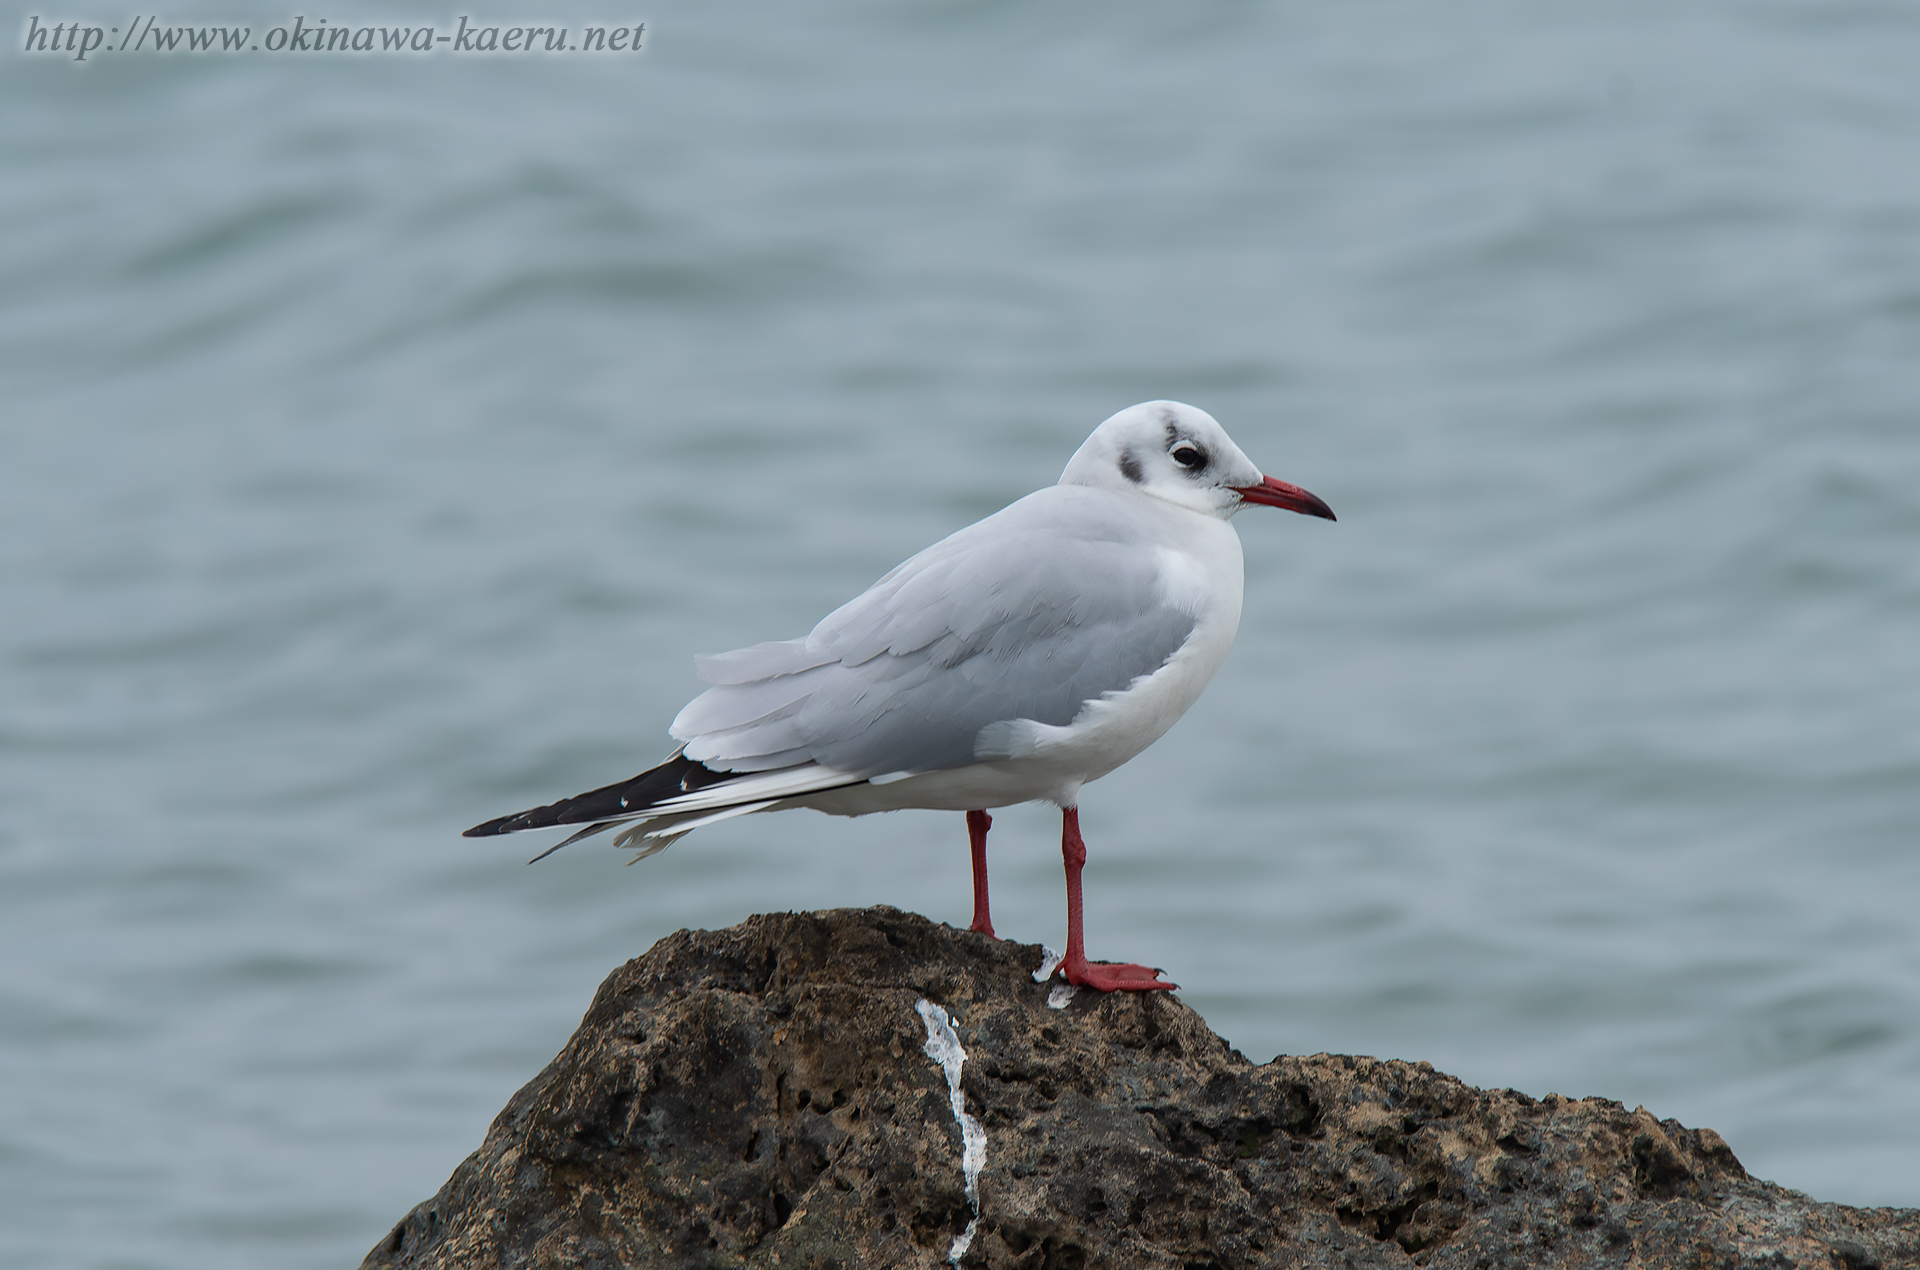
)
(382, 437)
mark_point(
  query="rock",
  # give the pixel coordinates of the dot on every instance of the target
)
(765, 1096)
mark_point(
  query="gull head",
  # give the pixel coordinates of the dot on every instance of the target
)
(1181, 454)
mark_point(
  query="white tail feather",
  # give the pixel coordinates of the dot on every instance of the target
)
(757, 787)
(645, 838)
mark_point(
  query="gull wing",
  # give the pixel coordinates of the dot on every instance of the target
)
(1028, 614)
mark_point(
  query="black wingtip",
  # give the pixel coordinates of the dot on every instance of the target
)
(528, 819)
(532, 818)
(678, 775)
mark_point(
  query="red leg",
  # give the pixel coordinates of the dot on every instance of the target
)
(978, 822)
(1106, 976)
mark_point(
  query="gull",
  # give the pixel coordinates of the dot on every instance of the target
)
(1015, 661)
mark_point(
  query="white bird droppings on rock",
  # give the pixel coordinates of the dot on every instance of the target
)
(943, 1047)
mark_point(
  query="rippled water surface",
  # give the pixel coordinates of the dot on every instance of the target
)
(384, 435)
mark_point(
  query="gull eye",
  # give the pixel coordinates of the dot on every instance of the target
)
(1189, 456)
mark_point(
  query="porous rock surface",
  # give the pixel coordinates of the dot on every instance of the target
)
(762, 1096)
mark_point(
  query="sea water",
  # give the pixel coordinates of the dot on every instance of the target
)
(384, 434)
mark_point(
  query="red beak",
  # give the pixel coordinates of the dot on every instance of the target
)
(1272, 493)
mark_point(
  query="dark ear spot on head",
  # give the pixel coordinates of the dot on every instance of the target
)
(1130, 466)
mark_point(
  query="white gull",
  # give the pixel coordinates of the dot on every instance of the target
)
(1015, 661)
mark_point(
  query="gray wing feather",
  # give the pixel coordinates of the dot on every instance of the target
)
(1028, 614)
(746, 665)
